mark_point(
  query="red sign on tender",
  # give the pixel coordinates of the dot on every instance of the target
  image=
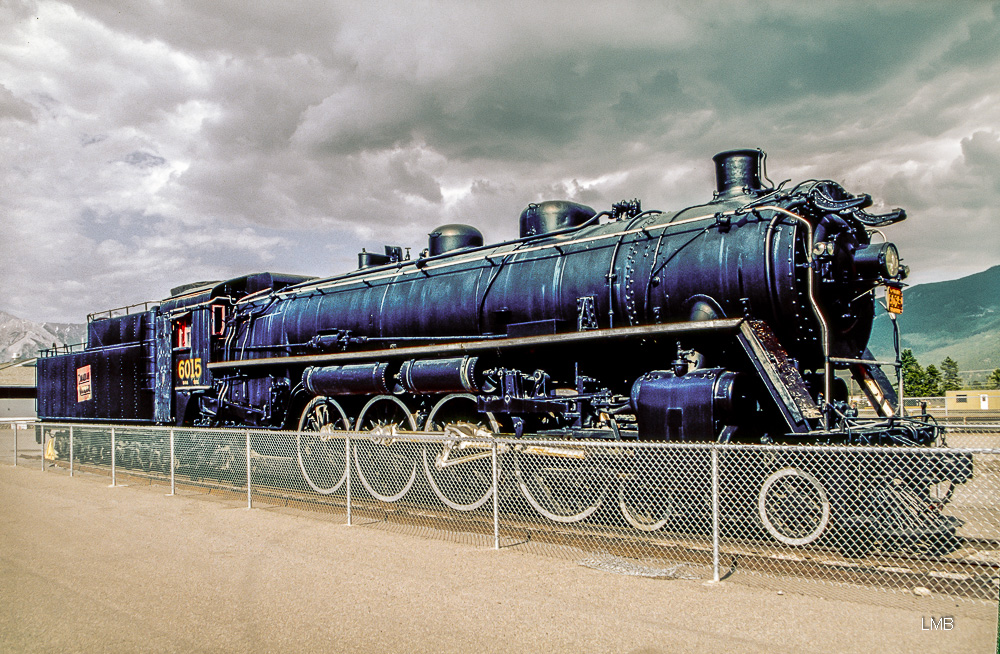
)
(83, 388)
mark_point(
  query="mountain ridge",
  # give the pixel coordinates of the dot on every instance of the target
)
(23, 339)
(959, 318)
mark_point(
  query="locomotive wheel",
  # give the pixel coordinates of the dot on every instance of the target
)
(321, 453)
(794, 506)
(386, 466)
(561, 489)
(644, 506)
(228, 461)
(461, 477)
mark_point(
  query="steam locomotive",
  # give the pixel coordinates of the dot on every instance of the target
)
(725, 322)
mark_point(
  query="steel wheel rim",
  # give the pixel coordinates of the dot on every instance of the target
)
(565, 518)
(358, 453)
(786, 482)
(635, 519)
(314, 404)
(428, 466)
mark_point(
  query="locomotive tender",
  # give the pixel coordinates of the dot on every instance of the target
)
(722, 322)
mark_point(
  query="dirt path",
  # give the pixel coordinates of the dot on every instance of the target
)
(87, 568)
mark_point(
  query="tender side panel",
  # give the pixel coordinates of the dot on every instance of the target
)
(100, 384)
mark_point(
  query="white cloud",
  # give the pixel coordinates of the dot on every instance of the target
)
(188, 140)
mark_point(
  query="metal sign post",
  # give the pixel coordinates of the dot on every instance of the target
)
(348, 464)
(113, 475)
(715, 513)
(496, 507)
(173, 487)
(249, 484)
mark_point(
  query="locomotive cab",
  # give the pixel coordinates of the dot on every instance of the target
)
(199, 321)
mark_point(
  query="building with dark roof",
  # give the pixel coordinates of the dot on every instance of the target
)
(18, 390)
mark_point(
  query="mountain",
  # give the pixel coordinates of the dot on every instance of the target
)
(22, 339)
(958, 319)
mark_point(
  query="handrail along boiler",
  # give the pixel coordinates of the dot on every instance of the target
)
(722, 322)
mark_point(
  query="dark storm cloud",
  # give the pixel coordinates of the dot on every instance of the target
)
(766, 57)
(978, 47)
(532, 106)
(160, 143)
(143, 159)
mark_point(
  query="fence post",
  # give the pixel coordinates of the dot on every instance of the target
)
(43, 449)
(249, 483)
(715, 512)
(347, 462)
(71, 450)
(173, 488)
(114, 478)
(496, 501)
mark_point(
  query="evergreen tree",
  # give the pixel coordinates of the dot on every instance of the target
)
(950, 379)
(932, 382)
(993, 381)
(914, 377)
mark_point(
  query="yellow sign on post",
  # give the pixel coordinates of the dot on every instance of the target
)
(894, 299)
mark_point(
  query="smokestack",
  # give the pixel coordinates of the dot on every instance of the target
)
(738, 171)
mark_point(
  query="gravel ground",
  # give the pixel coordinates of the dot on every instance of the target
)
(88, 568)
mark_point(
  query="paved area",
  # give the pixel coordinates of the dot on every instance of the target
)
(88, 568)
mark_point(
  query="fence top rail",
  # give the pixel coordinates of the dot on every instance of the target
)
(520, 443)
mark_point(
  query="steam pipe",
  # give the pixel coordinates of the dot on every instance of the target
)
(824, 328)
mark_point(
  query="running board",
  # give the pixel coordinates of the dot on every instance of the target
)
(492, 344)
(780, 376)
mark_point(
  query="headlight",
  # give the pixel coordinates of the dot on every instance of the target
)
(874, 261)
(890, 260)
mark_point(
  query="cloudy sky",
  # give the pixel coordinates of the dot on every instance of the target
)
(149, 144)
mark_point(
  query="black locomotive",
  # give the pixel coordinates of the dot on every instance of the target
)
(722, 322)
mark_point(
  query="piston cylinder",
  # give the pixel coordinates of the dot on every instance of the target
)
(459, 375)
(356, 379)
(692, 407)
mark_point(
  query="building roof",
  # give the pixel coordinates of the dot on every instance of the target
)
(18, 375)
(993, 392)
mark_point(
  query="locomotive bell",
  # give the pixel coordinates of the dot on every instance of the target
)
(738, 171)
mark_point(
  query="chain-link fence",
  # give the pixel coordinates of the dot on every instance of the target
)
(977, 413)
(18, 442)
(923, 520)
